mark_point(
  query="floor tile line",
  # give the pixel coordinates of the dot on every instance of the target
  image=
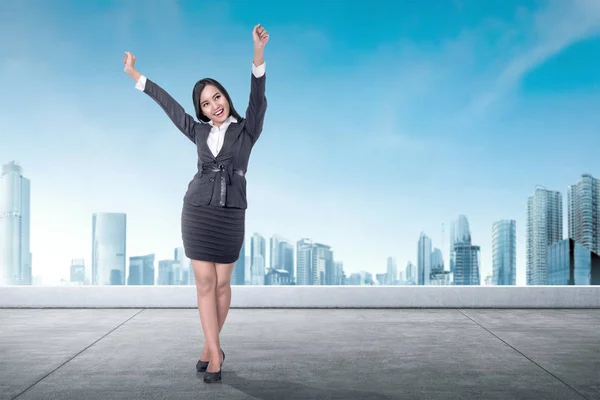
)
(521, 353)
(78, 353)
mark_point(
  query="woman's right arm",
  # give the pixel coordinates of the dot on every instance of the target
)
(183, 121)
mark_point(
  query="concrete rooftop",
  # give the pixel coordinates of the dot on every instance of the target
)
(462, 354)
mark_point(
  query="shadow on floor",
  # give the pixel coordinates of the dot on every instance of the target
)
(266, 389)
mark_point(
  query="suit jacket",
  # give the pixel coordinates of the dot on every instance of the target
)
(221, 180)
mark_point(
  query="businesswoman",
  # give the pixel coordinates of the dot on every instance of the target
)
(214, 206)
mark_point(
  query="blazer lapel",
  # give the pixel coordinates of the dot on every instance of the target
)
(202, 141)
(233, 132)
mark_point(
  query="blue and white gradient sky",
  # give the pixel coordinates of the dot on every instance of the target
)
(385, 118)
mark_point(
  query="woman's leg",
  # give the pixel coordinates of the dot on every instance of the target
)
(223, 290)
(223, 299)
(206, 281)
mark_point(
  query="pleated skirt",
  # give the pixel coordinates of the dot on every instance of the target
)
(211, 233)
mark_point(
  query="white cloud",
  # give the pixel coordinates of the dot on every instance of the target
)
(547, 33)
(431, 97)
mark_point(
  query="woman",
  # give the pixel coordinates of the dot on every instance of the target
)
(214, 206)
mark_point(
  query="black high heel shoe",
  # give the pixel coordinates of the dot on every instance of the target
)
(202, 365)
(212, 377)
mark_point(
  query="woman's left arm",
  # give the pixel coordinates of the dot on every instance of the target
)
(257, 106)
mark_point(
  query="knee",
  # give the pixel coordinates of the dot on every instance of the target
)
(223, 286)
(206, 286)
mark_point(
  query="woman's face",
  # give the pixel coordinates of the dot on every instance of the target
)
(214, 104)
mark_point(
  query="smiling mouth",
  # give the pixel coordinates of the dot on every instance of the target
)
(219, 113)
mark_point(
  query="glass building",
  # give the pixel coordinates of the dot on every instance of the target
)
(584, 212)
(571, 263)
(504, 253)
(141, 270)
(108, 248)
(544, 227)
(15, 225)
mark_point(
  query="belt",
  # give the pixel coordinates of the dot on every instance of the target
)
(226, 179)
(222, 168)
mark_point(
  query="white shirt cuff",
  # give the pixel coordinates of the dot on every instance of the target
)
(259, 71)
(141, 83)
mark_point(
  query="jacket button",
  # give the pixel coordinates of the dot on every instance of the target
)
(212, 179)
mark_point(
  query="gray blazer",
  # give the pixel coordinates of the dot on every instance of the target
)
(220, 181)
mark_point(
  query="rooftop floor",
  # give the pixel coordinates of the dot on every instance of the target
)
(302, 354)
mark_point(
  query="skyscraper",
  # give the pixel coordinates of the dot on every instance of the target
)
(424, 260)
(258, 257)
(437, 261)
(466, 269)
(188, 277)
(238, 276)
(584, 210)
(459, 233)
(340, 276)
(411, 274)
(571, 263)
(15, 221)
(286, 257)
(304, 261)
(464, 256)
(274, 259)
(141, 271)
(78, 271)
(544, 227)
(282, 255)
(392, 271)
(109, 248)
(322, 272)
(504, 253)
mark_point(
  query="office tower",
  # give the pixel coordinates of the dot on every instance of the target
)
(15, 223)
(584, 210)
(544, 227)
(108, 248)
(504, 253)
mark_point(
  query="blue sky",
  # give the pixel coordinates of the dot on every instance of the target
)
(382, 123)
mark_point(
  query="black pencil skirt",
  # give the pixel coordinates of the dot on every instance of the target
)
(211, 233)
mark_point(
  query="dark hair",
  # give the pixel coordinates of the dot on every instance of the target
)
(199, 86)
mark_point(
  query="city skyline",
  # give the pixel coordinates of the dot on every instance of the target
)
(424, 117)
(459, 231)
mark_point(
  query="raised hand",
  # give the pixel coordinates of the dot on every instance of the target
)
(129, 61)
(260, 36)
